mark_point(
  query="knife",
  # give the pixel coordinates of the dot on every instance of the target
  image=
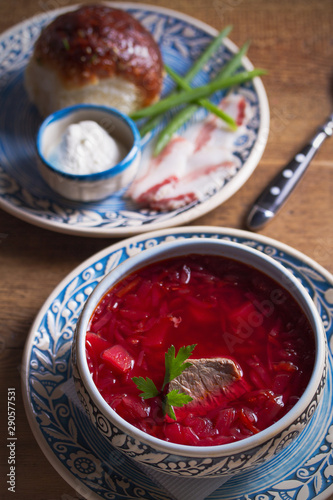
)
(278, 190)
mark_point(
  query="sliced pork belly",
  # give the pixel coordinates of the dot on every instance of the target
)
(162, 174)
(194, 164)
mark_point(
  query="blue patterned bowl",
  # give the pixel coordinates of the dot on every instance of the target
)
(193, 461)
(93, 186)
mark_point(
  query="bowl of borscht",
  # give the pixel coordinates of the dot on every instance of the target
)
(199, 357)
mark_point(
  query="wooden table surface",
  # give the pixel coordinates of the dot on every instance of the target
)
(294, 42)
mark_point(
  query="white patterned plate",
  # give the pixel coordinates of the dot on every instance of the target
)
(303, 471)
(24, 194)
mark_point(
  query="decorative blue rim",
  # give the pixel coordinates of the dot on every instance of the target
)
(105, 174)
(303, 471)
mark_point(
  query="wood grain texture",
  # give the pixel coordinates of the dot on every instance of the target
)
(294, 42)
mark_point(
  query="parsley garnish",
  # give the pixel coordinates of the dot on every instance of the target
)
(174, 366)
(174, 398)
(147, 386)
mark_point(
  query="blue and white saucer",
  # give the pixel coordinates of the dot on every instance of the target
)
(303, 471)
(24, 194)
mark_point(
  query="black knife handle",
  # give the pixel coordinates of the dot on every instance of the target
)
(278, 190)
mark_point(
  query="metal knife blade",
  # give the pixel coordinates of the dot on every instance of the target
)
(279, 189)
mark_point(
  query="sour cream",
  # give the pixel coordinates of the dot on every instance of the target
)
(86, 148)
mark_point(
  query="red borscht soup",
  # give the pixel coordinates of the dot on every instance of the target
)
(229, 310)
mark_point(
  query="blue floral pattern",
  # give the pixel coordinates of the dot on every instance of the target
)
(303, 470)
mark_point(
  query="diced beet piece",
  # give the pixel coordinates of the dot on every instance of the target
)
(95, 345)
(118, 358)
(96, 342)
(224, 420)
(202, 426)
(173, 433)
(180, 434)
(104, 379)
(190, 437)
(136, 407)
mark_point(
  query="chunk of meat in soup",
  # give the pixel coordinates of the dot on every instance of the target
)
(206, 377)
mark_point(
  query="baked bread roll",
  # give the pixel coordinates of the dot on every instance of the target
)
(95, 54)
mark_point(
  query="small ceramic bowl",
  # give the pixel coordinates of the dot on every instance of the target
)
(197, 461)
(91, 186)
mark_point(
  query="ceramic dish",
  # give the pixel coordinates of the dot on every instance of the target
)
(202, 461)
(23, 192)
(304, 470)
(97, 185)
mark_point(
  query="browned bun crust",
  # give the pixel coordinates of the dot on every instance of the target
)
(97, 42)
